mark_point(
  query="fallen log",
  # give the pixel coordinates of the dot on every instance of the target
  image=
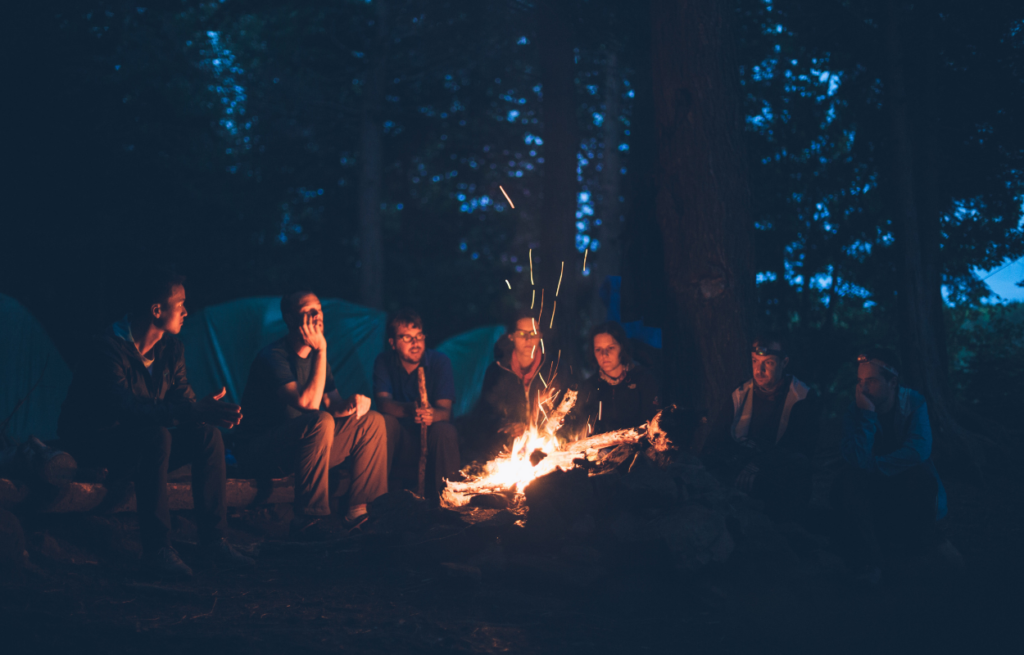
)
(85, 496)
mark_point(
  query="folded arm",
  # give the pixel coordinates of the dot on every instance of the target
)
(861, 428)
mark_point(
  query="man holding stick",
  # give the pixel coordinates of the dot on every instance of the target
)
(397, 387)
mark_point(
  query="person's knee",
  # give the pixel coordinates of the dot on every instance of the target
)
(213, 440)
(159, 439)
(376, 424)
(320, 425)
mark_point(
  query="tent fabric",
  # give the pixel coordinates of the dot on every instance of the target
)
(471, 353)
(26, 356)
(222, 341)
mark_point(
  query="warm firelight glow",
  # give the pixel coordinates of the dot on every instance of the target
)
(517, 466)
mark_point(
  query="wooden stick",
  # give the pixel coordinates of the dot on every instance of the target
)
(424, 402)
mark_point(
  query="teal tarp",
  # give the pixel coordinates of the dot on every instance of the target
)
(221, 342)
(25, 349)
(471, 353)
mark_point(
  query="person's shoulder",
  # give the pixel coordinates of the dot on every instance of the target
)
(641, 373)
(910, 399)
(383, 359)
(436, 357)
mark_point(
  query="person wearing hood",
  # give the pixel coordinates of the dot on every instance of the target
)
(765, 437)
(524, 371)
(130, 409)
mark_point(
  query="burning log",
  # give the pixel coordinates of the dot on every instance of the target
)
(513, 470)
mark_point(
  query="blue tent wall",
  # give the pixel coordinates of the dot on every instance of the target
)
(471, 353)
(25, 349)
(221, 342)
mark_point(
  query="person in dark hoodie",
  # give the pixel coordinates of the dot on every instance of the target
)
(131, 409)
(524, 370)
(621, 394)
(764, 439)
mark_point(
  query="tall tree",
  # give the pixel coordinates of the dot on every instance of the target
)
(561, 145)
(702, 198)
(371, 153)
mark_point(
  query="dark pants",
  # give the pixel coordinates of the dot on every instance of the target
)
(879, 513)
(784, 483)
(404, 453)
(310, 446)
(145, 455)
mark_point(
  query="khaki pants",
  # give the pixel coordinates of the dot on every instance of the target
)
(314, 443)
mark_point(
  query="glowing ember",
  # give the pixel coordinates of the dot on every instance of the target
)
(506, 197)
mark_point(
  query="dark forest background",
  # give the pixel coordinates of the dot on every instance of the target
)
(839, 170)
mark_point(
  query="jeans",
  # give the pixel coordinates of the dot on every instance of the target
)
(404, 453)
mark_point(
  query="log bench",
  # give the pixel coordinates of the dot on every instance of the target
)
(88, 496)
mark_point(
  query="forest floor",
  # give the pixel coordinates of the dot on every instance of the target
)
(80, 594)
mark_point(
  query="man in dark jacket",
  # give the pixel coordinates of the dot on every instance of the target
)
(130, 408)
(766, 436)
(621, 394)
(523, 375)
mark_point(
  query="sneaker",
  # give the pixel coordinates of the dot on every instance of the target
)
(309, 528)
(354, 524)
(225, 556)
(166, 562)
(870, 575)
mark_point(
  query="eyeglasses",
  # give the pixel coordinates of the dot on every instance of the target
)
(762, 351)
(864, 359)
(408, 338)
(526, 334)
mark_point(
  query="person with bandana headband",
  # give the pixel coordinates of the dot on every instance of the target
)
(764, 439)
(889, 495)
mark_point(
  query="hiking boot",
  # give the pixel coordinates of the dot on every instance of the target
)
(354, 524)
(225, 556)
(166, 562)
(309, 528)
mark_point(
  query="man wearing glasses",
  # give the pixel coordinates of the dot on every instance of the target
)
(889, 495)
(396, 388)
(768, 434)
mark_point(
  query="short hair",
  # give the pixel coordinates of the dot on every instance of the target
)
(619, 334)
(290, 302)
(404, 316)
(767, 338)
(888, 356)
(153, 286)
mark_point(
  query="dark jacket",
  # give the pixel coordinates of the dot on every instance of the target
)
(111, 387)
(909, 447)
(796, 431)
(628, 404)
(503, 399)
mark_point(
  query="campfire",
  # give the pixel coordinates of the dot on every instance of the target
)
(538, 451)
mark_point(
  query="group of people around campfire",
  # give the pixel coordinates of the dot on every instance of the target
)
(130, 409)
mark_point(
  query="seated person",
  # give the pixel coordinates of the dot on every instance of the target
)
(297, 422)
(621, 394)
(889, 494)
(396, 388)
(524, 371)
(130, 409)
(767, 435)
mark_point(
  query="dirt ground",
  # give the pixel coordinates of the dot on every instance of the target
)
(82, 593)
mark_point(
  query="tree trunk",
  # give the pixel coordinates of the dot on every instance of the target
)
(702, 196)
(610, 209)
(371, 250)
(916, 219)
(561, 144)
